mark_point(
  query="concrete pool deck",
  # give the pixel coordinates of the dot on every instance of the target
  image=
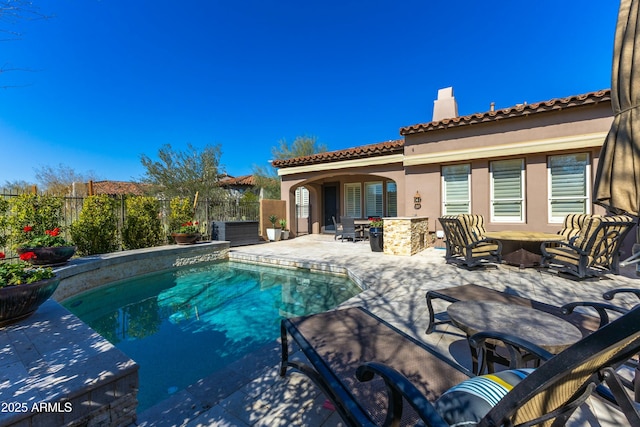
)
(250, 392)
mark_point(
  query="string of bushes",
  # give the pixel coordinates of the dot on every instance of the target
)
(104, 224)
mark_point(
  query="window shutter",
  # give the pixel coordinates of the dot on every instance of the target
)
(507, 186)
(568, 181)
(352, 200)
(456, 189)
(373, 199)
(392, 199)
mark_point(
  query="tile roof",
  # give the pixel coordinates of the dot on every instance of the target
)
(240, 180)
(118, 187)
(519, 110)
(397, 146)
(364, 151)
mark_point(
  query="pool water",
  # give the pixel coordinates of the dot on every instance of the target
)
(185, 324)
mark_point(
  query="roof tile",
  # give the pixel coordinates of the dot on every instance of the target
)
(519, 110)
(364, 151)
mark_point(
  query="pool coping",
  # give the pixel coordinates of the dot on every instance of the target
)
(56, 370)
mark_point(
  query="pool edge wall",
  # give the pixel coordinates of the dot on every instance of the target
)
(62, 372)
(88, 273)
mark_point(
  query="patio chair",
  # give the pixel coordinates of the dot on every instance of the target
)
(337, 228)
(375, 374)
(572, 225)
(594, 251)
(466, 241)
(349, 230)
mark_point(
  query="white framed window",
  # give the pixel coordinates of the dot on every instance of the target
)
(373, 199)
(456, 189)
(507, 190)
(568, 187)
(302, 202)
(392, 199)
(353, 200)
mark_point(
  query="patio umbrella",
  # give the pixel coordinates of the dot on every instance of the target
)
(618, 176)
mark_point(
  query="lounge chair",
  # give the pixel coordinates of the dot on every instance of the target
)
(594, 250)
(375, 374)
(466, 241)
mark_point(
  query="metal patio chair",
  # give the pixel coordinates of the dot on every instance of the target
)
(466, 241)
(594, 250)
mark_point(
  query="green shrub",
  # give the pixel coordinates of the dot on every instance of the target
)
(96, 230)
(40, 212)
(4, 222)
(142, 225)
(181, 213)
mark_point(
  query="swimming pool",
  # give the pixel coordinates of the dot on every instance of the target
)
(185, 324)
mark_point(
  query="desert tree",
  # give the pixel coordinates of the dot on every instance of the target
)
(184, 173)
(266, 177)
(17, 187)
(59, 179)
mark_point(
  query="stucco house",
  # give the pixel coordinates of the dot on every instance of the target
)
(524, 168)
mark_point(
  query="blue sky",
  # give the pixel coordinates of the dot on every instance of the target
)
(110, 80)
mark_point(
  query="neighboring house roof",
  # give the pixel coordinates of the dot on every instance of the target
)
(245, 180)
(364, 151)
(118, 188)
(519, 110)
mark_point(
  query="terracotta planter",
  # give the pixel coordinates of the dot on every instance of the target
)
(185, 238)
(53, 255)
(21, 301)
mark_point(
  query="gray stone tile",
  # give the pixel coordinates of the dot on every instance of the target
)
(216, 417)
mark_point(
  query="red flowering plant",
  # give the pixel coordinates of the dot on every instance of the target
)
(189, 227)
(50, 238)
(20, 273)
(181, 216)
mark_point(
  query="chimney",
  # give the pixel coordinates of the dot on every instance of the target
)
(445, 107)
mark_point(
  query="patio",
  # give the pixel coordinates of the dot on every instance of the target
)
(251, 393)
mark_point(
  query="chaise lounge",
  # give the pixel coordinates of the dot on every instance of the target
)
(376, 375)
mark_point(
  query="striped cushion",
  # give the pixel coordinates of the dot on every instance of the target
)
(468, 402)
(572, 224)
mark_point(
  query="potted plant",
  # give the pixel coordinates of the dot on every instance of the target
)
(36, 235)
(187, 233)
(48, 248)
(184, 229)
(375, 234)
(285, 230)
(273, 233)
(23, 288)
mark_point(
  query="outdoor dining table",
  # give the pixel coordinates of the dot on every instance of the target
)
(362, 225)
(550, 332)
(522, 248)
